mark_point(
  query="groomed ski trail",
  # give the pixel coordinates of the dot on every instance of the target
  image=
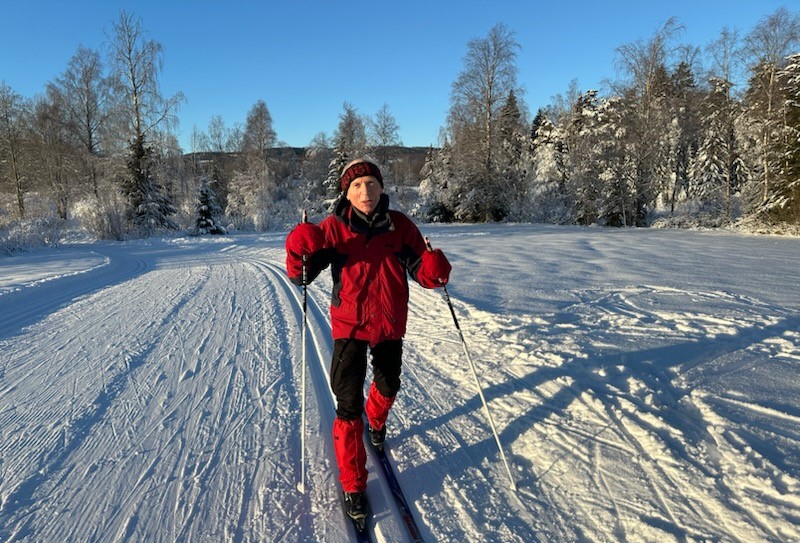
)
(385, 522)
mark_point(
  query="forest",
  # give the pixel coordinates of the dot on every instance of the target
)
(685, 136)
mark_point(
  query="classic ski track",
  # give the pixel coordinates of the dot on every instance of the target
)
(126, 385)
(382, 528)
(595, 414)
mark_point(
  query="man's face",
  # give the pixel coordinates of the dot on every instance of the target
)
(364, 194)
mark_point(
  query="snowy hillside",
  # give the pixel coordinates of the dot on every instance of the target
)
(645, 385)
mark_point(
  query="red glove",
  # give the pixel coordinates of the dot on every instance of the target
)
(435, 267)
(307, 238)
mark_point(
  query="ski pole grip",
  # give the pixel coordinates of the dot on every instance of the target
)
(428, 244)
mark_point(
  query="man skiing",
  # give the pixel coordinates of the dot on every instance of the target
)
(370, 249)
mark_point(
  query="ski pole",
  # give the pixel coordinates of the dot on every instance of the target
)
(475, 375)
(302, 486)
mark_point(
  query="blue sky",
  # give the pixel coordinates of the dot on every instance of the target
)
(306, 58)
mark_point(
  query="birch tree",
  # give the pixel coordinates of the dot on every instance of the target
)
(84, 95)
(14, 123)
(765, 50)
(144, 112)
(477, 97)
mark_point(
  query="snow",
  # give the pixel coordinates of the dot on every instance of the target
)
(645, 385)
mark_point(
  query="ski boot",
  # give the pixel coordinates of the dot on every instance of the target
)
(377, 437)
(355, 505)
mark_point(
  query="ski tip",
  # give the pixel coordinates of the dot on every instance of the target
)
(301, 488)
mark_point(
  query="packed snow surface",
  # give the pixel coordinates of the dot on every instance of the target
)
(645, 385)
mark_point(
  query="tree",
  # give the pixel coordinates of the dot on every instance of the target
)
(719, 160)
(513, 157)
(717, 170)
(14, 123)
(208, 210)
(350, 135)
(477, 97)
(218, 135)
(647, 119)
(766, 48)
(251, 197)
(136, 63)
(479, 91)
(684, 104)
(435, 173)
(84, 95)
(582, 138)
(258, 136)
(383, 132)
(786, 197)
(335, 169)
(51, 146)
(315, 171)
(545, 194)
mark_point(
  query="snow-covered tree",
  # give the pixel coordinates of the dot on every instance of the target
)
(83, 93)
(514, 157)
(351, 134)
(717, 170)
(54, 154)
(647, 119)
(787, 184)
(477, 98)
(143, 110)
(150, 208)
(336, 166)
(433, 205)
(766, 48)
(545, 200)
(251, 197)
(208, 210)
(683, 103)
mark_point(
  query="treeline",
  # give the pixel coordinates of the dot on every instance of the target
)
(685, 134)
(703, 136)
(99, 146)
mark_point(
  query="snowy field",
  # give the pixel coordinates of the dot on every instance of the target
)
(645, 385)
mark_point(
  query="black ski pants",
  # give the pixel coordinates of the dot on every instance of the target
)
(349, 369)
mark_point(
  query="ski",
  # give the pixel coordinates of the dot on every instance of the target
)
(361, 529)
(362, 533)
(397, 493)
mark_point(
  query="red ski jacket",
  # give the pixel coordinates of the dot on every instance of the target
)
(368, 263)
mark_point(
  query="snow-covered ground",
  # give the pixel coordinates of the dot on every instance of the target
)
(645, 385)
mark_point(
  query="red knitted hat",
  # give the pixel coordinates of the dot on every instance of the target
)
(359, 169)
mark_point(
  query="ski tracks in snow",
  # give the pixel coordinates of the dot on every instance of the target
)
(169, 385)
(642, 444)
(153, 394)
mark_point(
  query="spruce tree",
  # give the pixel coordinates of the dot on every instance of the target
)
(150, 208)
(208, 210)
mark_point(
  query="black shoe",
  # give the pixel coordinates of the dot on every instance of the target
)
(377, 437)
(355, 505)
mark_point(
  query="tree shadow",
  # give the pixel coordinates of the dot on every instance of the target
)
(608, 378)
